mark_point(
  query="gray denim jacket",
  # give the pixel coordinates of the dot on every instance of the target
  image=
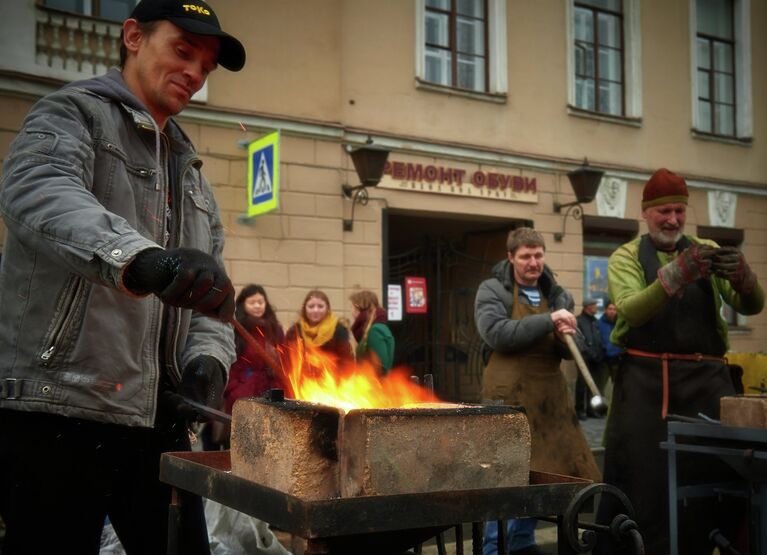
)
(85, 188)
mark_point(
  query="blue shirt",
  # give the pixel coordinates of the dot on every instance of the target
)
(533, 294)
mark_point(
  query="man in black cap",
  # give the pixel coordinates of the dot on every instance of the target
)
(115, 303)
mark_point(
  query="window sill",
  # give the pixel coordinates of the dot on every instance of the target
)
(587, 114)
(739, 330)
(703, 136)
(497, 98)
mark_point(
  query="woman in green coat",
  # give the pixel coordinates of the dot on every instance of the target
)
(375, 341)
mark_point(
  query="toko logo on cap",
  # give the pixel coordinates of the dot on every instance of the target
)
(195, 8)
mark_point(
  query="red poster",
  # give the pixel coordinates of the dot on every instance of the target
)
(415, 295)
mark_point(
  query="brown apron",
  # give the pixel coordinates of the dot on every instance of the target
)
(534, 380)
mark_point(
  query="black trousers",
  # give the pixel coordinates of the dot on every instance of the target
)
(60, 477)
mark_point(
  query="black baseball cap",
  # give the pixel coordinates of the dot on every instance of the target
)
(196, 17)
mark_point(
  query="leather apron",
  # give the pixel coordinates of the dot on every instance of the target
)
(533, 379)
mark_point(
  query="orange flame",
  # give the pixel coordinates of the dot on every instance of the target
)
(315, 376)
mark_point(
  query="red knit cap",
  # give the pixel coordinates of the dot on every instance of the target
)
(664, 187)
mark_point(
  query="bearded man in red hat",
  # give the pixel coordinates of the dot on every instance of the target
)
(668, 288)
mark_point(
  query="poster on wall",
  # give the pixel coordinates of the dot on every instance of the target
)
(263, 174)
(595, 280)
(394, 303)
(415, 295)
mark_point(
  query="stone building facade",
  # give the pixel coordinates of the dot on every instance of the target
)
(485, 106)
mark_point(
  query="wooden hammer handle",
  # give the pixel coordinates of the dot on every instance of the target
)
(581, 364)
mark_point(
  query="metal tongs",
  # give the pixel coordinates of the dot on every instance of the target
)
(208, 412)
(273, 362)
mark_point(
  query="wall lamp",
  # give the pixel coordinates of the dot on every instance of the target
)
(369, 161)
(585, 182)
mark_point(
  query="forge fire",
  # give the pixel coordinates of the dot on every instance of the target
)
(315, 377)
(351, 433)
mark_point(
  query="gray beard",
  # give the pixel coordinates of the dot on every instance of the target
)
(663, 242)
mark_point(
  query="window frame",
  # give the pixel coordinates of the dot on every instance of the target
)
(595, 13)
(632, 66)
(452, 18)
(711, 72)
(743, 116)
(496, 72)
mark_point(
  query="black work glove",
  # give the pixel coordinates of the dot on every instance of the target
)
(692, 264)
(187, 278)
(202, 381)
(729, 263)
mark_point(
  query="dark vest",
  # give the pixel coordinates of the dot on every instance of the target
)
(687, 324)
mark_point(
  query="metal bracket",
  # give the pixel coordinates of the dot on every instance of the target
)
(358, 195)
(575, 208)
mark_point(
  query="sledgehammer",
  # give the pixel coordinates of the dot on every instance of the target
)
(598, 403)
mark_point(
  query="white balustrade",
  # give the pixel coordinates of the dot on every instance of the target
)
(76, 43)
(55, 46)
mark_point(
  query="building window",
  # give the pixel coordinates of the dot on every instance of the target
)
(604, 57)
(716, 67)
(599, 81)
(461, 45)
(111, 10)
(456, 43)
(721, 67)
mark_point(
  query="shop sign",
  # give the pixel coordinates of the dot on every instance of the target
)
(431, 178)
(394, 303)
(415, 295)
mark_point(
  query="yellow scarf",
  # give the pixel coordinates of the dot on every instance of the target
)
(318, 335)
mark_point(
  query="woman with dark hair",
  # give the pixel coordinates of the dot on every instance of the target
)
(250, 375)
(375, 341)
(319, 328)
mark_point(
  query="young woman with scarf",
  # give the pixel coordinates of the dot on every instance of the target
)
(319, 328)
(375, 341)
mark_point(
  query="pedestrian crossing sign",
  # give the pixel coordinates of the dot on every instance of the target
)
(263, 174)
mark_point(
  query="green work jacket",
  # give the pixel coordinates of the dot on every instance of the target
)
(637, 302)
